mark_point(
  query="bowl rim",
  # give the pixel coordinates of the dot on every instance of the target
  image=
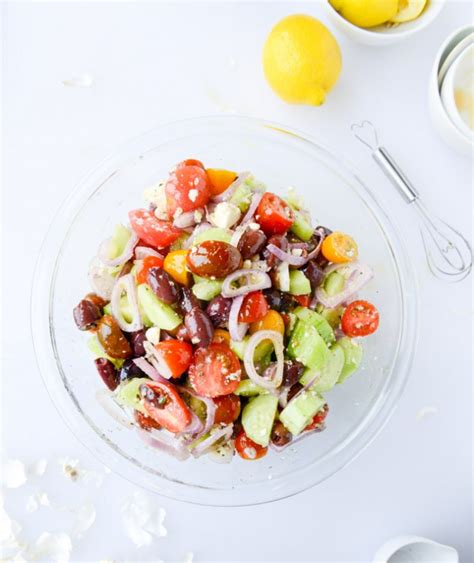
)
(43, 340)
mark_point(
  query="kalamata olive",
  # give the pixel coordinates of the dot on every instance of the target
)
(86, 315)
(199, 327)
(137, 339)
(323, 230)
(112, 338)
(107, 372)
(279, 301)
(218, 310)
(314, 273)
(295, 389)
(129, 370)
(280, 435)
(281, 242)
(163, 285)
(188, 301)
(251, 243)
(292, 371)
(96, 299)
(214, 259)
(182, 333)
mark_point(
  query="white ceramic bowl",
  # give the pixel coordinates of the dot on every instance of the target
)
(441, 120)
(382, 35)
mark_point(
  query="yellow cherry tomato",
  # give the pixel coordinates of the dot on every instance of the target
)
(175, 266)
(271, 321)
(339, 248)
(219, 179)
(221, 336)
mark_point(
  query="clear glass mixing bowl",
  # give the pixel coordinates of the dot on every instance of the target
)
(280, 157)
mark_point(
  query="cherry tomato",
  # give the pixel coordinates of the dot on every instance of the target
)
(186, 189)
(144, 421)
(221, 336)
(318, 419)
(148, 263)
(214, 258)
(159, 234)
(228, 409)
(360, 319)
(175, 266)
(254, 307)
(190, 162)
(220, 180)
(176, 355)
(303, 300)
(339, 248)
(215, 371)
(271, 321)
(248, 449)
(163, 404)
(274, 215)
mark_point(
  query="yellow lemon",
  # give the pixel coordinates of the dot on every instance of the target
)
(302, 60)
(366, 13)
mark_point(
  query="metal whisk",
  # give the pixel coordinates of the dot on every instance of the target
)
(448, 252)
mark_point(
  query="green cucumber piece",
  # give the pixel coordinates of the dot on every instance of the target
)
(96, 348)
(300, 411)
(261, 351)
(299, 283)
(258, 417)
(242, 197)
(330, 373)
(318, 321)
(334, 283)
(178, 244)
(294, 200)
(333, 316)
(207, 289)
(214, 233)
(160, 314)
(126, 311)
(352, 357)
(247, 388)
(239, 347)
(307, 346)
(128, 394)
(301, 227)
(118, 242)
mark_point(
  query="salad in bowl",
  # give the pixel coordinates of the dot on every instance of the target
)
(220, 316)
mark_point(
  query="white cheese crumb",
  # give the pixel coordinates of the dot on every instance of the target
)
(247, 264)
(225, 215)
(143, 519)
(198, 215)
(254, 226)
(153, 335)
(13, 474)
(156, 195)
(297, 251)
(192, 194)
(82, 81)
(52, 547)
(38, 468)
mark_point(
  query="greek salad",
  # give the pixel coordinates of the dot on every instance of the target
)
(220, 316)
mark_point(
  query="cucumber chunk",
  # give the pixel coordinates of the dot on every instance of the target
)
(207, 289)
(307, 346)
(160, 314)
(333, 316)
(214, 233)
(300, 411)
(299, 283)
(95, 347)
(242, 197)
(128, 394)
(262, 350)
(330, 373)
(247, 388)
(258, 417)
(318, 321)
(301, 227)
(118, 242)
(334, 283)
(352, 357)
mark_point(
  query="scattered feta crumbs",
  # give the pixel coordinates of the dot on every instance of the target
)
(37, 500)
(153, 335)
(198, 215)
(13, 473)
(297, 251)
(225, 215)
(247, 264)
(52, 547)
(38, 468)
(81, 81)
(425, 411)
(196, 182)
(156, 195)
(177, 213)
(253, 226)
(85, 517)
(143, 519)
(9, 532)
(192, 194)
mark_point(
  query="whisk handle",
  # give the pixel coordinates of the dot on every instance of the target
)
(395, 175)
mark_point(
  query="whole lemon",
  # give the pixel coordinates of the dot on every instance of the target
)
(366, 13)
(301, 60)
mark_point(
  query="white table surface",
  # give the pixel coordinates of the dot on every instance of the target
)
(416, 477)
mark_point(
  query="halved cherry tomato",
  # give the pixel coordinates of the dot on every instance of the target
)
(339, 248)
(175, 266)
(254, 307)
(228, 409)
(274, 215)
(159, 234)
(318, 419)
(148, 263)
(215, 371)
(248, 449)
(144, 421)
(186, 189)
(303, 300)
(164, 405)
(176, 355)
(221, 336)
(360, 319)
(220, 180)
(271, 321)
(190, 162)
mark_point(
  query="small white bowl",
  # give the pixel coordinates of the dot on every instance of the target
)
(441, 120)
(415, 549)
(382, 35)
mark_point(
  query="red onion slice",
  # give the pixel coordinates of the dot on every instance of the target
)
(357, 275)
(100, 279)
(216, 435)
(198, 230)
(164, 442)
(142, 252)
(187, 219)
(229, 192)
(254, 341)
(283, 397)
(255, 280)
(149, 370)
(126, 284)
(156, 361)
(119, 260)
(210, 412)
(106, 400)
(287, 257)
(237, 330)
(298, 438)
(256, 198)
(237, 235)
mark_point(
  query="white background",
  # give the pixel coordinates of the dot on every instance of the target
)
(154, 63)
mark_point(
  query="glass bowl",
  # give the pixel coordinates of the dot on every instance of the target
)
(280, 157)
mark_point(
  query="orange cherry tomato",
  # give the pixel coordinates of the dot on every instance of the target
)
(176, 355)
(175, 266)
(254, 307)
(271, 321)
(339, 248)
(360, 319)
(228, 409)
(148, 263)
(303, 300)
(248, 449)
(220, 180)
(221, 336)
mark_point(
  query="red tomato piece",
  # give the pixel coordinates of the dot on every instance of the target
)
(318, 419)
(148, 263)
(144, 421)
(248, 449)
(228, 409)
(274, 215)
(360, 319)
(156, 232)
(254, 307)
(176, 356)
(164, 405)
(190, 162)
(187, 189)
(215, 371)
(303, 300)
